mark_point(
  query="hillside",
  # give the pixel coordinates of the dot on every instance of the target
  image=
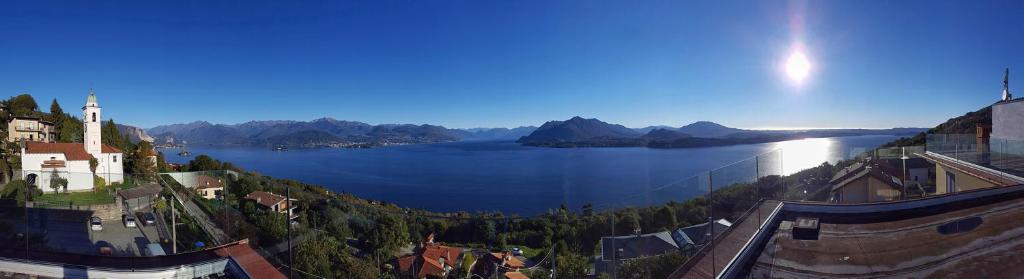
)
(708, 129)
(581, 132)
(964, 124)
(134, 134)
(320, 132)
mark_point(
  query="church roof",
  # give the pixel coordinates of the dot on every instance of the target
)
(73, 151)
(91, 101)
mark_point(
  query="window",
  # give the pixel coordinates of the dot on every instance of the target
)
(93, 117)
(950, 182)
(115, 158)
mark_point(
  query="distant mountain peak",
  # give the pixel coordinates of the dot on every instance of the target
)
(708, 129)
(577, 129)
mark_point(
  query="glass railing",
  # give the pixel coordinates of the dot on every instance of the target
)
(691, 226)
(1000, 158)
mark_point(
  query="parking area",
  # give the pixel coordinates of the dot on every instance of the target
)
(74, 235)
(125, 241)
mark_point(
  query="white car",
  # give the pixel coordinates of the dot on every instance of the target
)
(129, 221)
(516, 251)
(95, 223)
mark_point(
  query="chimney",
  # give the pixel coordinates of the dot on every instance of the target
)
(982, 133)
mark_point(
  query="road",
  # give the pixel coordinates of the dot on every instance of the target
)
(216, 234)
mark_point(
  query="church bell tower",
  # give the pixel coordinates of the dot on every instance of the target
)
(92, 120)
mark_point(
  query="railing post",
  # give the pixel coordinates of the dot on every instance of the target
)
(711, 219)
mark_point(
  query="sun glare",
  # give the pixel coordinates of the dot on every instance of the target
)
(797, 67)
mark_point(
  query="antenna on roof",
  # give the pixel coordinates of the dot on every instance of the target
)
(1006, 85)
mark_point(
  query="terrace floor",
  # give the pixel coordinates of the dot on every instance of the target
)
(983, 241)
(707, 263)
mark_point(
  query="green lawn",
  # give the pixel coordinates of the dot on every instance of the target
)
(528, 252)
(77, 198)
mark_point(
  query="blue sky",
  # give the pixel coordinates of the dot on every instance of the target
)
(510, 63)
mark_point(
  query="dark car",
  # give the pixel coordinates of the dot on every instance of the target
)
(148, 218)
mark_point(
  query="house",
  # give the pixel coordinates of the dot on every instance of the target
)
(140, 198)
(865, 181)
(432, 260)
(275, 202)
(515, 275)
(42, 160)
(990, 158)
(616, 249)
(506, 260)
(690, 239)
(30, 129)
(209, 187)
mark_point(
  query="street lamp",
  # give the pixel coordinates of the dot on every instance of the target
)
(904, 158)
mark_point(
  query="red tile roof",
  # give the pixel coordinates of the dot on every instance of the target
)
(429, 260)
(405, 263)
(265, 198)
(250, 260)
(208, 182)
(73, 151)
(507, 259)
(515, 275)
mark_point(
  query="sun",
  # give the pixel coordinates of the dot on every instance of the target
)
(798, 67)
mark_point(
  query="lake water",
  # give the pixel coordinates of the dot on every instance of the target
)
(505, 176)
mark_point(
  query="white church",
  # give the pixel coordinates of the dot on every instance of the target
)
(40, 160)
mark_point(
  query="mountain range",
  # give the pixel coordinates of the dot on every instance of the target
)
(574, 132)
(323, 132)
(582, 132)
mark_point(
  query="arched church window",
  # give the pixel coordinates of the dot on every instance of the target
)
(93, 117)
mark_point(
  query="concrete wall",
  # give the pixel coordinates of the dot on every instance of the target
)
(868, 189)
(1008, 120)
(962, 181)
(881, 191)
(855, 192)
(205, 269)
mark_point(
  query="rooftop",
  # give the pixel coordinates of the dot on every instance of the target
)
(971, 234)
(73, 151)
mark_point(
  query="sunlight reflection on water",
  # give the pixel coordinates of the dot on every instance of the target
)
(802, 154)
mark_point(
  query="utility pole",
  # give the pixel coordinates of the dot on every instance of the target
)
(288, 222)
(174, 228)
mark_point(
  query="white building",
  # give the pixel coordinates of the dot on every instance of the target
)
(40, 160)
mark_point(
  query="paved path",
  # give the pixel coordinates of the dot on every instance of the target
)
(216, 234)
(708, 264)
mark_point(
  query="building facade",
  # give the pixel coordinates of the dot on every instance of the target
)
(30, 129)
(42, 161)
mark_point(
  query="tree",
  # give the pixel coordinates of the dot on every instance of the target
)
(204, 163)
(271, 225)
(56, 113)
(389, 235)
(570, 265)
(664, 219)
(629, 221)
(113, 137)
(317, 255)
(57, 182)
(23, 105)
(19, 190)
(142, 167)
(356, 268)
(70, 129)
(93, 163)
(161, 163)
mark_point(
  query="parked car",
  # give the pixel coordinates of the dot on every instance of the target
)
(95, 223)
(129, 221)
(516, 251)
(148, 219)
(154, 249)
